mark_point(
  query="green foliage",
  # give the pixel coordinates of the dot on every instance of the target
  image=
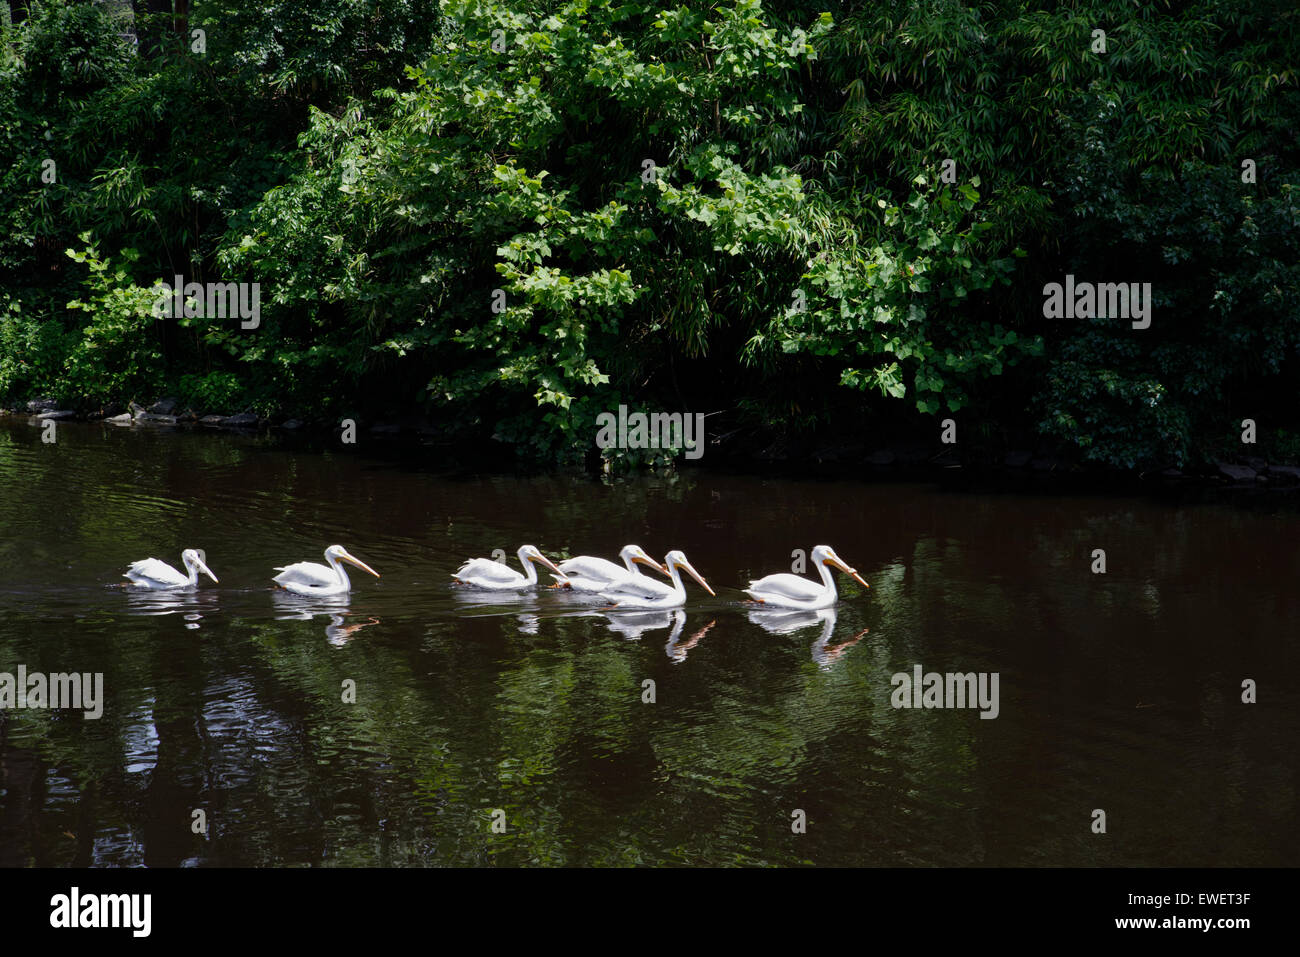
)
(1226, 317)
(115, 356)
(31, 351)
(449, 210)
(891, 301)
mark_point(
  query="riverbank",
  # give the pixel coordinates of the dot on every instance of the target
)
(740, 451)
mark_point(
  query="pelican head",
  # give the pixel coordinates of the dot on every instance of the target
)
(825, 554)
(678, 558)
(337, 553)
(637, 554)
(529, 553)
(193, 560)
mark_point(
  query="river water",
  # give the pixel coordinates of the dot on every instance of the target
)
(771, 740)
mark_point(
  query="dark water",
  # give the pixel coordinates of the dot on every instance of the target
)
(1119, 692)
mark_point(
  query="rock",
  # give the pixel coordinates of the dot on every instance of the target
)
(1285, 474)
(882, 457)
(385, 428)
(1258, 464)
(912, 455)
(164, 407)
(1017, 459)
(136, 409)
(58, 414)
(837, 452)
(214, 421)
(124, 419)
(42, 405)
(1046, 463)
(291, 425)
(1171, 473)
(244, 420)
(1238, 473)
(149, 418)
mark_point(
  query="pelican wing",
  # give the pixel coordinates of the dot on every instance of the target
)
(590, 567)
(486, 570)
(155, 571)
(588, 574)
(313, 574)
(786, 585)
(637, 586)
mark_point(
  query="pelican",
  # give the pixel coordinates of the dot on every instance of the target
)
(790, 591)
(593, 575)
(641, 591)
(154, 574)
(498, 576)
(315, 579)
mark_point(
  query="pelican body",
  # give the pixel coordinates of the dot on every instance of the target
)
(791, 591)
(498, 576)
(315, 579)
(641, 591)
(158, 575)
(592, 575)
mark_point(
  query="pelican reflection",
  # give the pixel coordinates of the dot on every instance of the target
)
(190, 605)
(786, 622)
(676, 649)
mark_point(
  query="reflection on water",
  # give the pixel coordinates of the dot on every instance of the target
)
(678, 648)
(1119, 691)
(785, 621)
(633, 624)
(292, 607)
(190, 604)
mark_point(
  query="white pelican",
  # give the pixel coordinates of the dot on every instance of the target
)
(641, 591)
(155, 574)
(790, 591)
(586, 573)
(498, 576)
(315, 579)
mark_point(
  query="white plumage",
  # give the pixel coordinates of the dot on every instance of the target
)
(154, 574)
(587, 573)
(641, 591)
(313, 578)
(498, 576)
(791, 591)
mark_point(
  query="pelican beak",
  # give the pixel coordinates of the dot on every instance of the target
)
(848, 571)
(541, 559)
(208, 571)
(696, 575)
(345, 557)
(661, 569)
